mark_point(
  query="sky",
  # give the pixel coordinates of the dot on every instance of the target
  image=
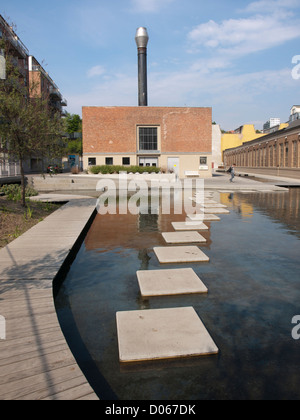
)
(242, 58)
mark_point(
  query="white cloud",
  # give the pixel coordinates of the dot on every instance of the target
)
(271, 6)
(243, 36)
(96, 71)
(149, 5)
(272, 24)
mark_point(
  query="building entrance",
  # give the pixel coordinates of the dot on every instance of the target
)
(173, 165)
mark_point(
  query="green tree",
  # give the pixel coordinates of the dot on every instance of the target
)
(73, 124)
(29, 127)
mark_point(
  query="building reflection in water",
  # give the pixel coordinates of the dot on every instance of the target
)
(136, 231)
(282, 207)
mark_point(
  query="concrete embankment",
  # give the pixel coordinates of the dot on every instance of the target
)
(86, 182)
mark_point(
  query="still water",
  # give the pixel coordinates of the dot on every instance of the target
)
(254, 292)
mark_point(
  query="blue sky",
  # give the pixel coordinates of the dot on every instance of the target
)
(233, 56)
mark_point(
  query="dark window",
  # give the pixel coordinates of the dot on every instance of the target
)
(148, 138)
(203, 161)
(92, 161)
(126, 161)
(109, 161)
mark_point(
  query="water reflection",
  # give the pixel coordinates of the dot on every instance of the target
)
(253, 283)
(280, 207)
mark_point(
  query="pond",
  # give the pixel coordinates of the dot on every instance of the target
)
(254, 293)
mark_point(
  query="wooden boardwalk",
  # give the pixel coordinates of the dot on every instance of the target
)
(35, 360)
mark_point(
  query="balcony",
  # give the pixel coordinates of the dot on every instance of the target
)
(13, 39)
(19, 46)
(54, 91)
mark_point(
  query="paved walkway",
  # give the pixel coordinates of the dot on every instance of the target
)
(222, 182)
(35, 360)
(275, 179)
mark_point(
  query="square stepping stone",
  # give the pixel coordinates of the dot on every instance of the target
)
(183, 237)
(202, 202)
(162, 334)
(202, 217)
(190, 225)
(180, 254)
(215, 210)
(182, 281)
(218, 206)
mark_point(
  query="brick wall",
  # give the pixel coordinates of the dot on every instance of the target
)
(113, 129)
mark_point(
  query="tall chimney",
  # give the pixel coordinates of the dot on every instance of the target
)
(141, 39)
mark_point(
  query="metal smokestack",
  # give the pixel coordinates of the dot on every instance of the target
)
(141, 39)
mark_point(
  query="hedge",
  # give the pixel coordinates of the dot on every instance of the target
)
(113, 169)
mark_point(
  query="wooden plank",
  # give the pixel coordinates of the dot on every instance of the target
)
(35, 384)
(35, 360)
(48, 334)
(34, 349)
(73, 393)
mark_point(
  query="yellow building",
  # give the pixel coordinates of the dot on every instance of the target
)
(241, 135)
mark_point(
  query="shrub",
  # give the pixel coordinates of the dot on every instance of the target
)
(14, 192)
(114, 169)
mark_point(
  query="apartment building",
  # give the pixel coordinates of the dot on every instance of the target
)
(44, 86)
(31, 73)
(271, 123)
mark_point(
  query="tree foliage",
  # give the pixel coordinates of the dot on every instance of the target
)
(73, 124)
(29, 127)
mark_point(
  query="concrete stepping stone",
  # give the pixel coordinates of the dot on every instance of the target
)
(201, 201)
(183, 237)
(190, 225)
(205, 217)
(180, 254)
(215, 210)
(162, 334)
(217, 206)
(181, 281)
(227, 191)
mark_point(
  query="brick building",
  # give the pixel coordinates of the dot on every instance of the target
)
(280, 149)
(174, 139)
